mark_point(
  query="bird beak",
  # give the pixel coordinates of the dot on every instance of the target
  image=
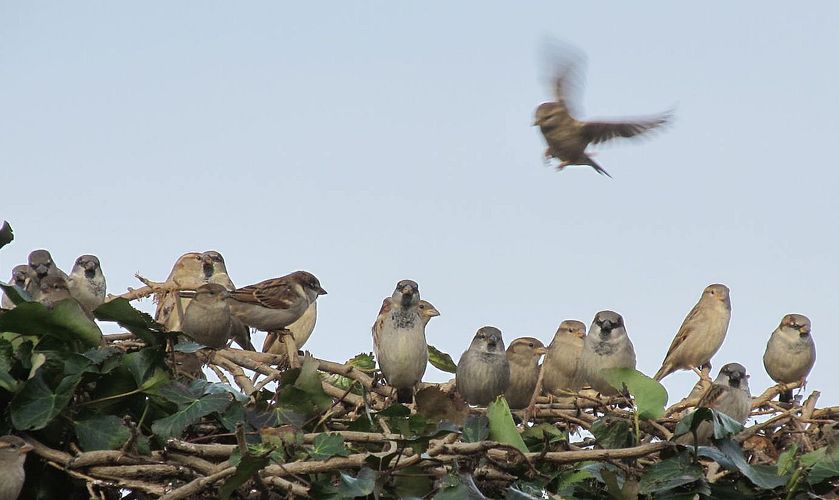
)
(804, 330)
(321, 291)
(433, 312)
(41, 270)
(186, 294)
(541, 351)
(491, 344)
(580, 334)
(90, 266)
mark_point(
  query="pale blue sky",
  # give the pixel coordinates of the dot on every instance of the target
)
(373, 142)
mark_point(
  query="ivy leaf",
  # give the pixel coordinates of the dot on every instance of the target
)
(475, 429)
(327, 446)
(502, 428)
(441, 360)
(65, 321)
(765, 477)
(245, 469)
(36, 404)
(786, 462)
(103, 432)
(612, 432)
(15, 294)
(363, 361)
(650, 396)
(175, 424)
(6, 234)
(670, 473)
(348, 486)
(537, 436)
(724, 425)
(823, 464)
(142, 325)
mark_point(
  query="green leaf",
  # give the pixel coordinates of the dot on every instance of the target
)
(327, 446)
(359, 486)
(309, 382)
(452, 488)
(475, 429)
(245, 469)
(765, 477)
(395, 410)
(104, 432)
(724, 425)
(823, 464)
(15, 294)
(441, 360)
(537, 436)
(139, 323)
(364, 362)
(650, 396)
(65, 321)
(786, 461)
(670, 473)
(412, 482)
(175, 424)
(6, 234)
(502, 428)
(568, 480)
(612, 432)
(36, 404)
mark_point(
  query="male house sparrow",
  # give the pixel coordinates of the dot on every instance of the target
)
(483, 372)
(13, 452)
(20, 278)
(701, 333)
(606, 346)
(728, 394)
(523, 357)
(42, 265)
(559, 370)
(207, 318)
(87, 283)
(187, 273)
(399, 340)
(790, 353)
(275, 303)
(568, 137)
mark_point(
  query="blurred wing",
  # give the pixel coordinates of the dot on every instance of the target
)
(566, 68)
(601, 131)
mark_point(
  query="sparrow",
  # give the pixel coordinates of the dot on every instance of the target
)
(559, 370)
(606, 346)
(215, 271)
(300, 331)
(20, 279)
(13, 452)
(188, 274)
(523, 357)
(51, 290)
(275, 303)
(42, 265)
(790, 352)
(568, 137)
(399, 340)
(483, 372)
(207, 318)
(427, 311)
(701, 333)
(728, 394)
(87, 283)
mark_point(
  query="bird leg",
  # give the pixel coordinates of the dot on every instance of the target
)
(290, 348)
(270, 338)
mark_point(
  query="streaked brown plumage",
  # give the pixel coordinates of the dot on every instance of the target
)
(559, 370)
(568, 137)
(523, 356)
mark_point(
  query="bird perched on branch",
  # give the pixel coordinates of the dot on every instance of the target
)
(13, 452)
(42, 265)
(606, 346)
(399, 340)
(701, 334)
(523, 356)
(207, 318)
(728, 394)
(566, 135)
(559, 370)
(20, 278)
(483, 372)
(187, 273)
(790, 353)
(87, 283)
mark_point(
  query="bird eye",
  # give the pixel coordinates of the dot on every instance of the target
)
(530, 344)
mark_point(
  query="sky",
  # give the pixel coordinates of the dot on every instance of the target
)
(379, 141)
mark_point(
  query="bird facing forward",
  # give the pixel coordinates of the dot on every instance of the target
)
(207, 318)
(568, 137)
(523, 357)
(701, 334)
(20, 279)
(87, 283)
(790, 353)
(606, 346)
(559, 370)
(41, 265)
(483, 372)
(399, 340)
(13, 452)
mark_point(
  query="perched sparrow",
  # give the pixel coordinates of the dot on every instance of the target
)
(606, 346)
(300, 330)
(427, 311)
(42, 265)
(559, 370)
(51, 290)
(187, 273)
(215, 270)
(207, 318)
(20, 279)
(790, 352)
(13, 452)
(87, 283)
(567, 137)
(729, 394)
(275, 303)
(399, 340)
(701, 334)
(523, 357)
(483, 372)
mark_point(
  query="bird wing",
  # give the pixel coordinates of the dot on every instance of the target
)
(685, 331)
(379, 323)
(601, 131)
(273, 294)
(712, 396)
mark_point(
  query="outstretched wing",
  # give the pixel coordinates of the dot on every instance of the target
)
(601, 131)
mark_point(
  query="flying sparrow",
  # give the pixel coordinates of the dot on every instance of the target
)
(728, 394)
(559, 370)
(87, 283)
(567, 137)
(187, 273)
(42, 265)
(523, 357)
(701, 334)
(483, 372)
(13, 452)
(790, 352)
(399, 340)
(207, 318)
(606, 346)
(275, 303)
(20, 279)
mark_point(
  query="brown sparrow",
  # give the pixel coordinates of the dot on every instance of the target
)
(483, 372)
(399, 340)
(701, 334)
(275, 303)
(606, 346)
(20, 279)
(790, 353)
(728, 394)
(13, 452)
(559, 370)
(42, 265)
(87, 283)
(188, 274)
(207, 318)
(523, 357)
(427, 311)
